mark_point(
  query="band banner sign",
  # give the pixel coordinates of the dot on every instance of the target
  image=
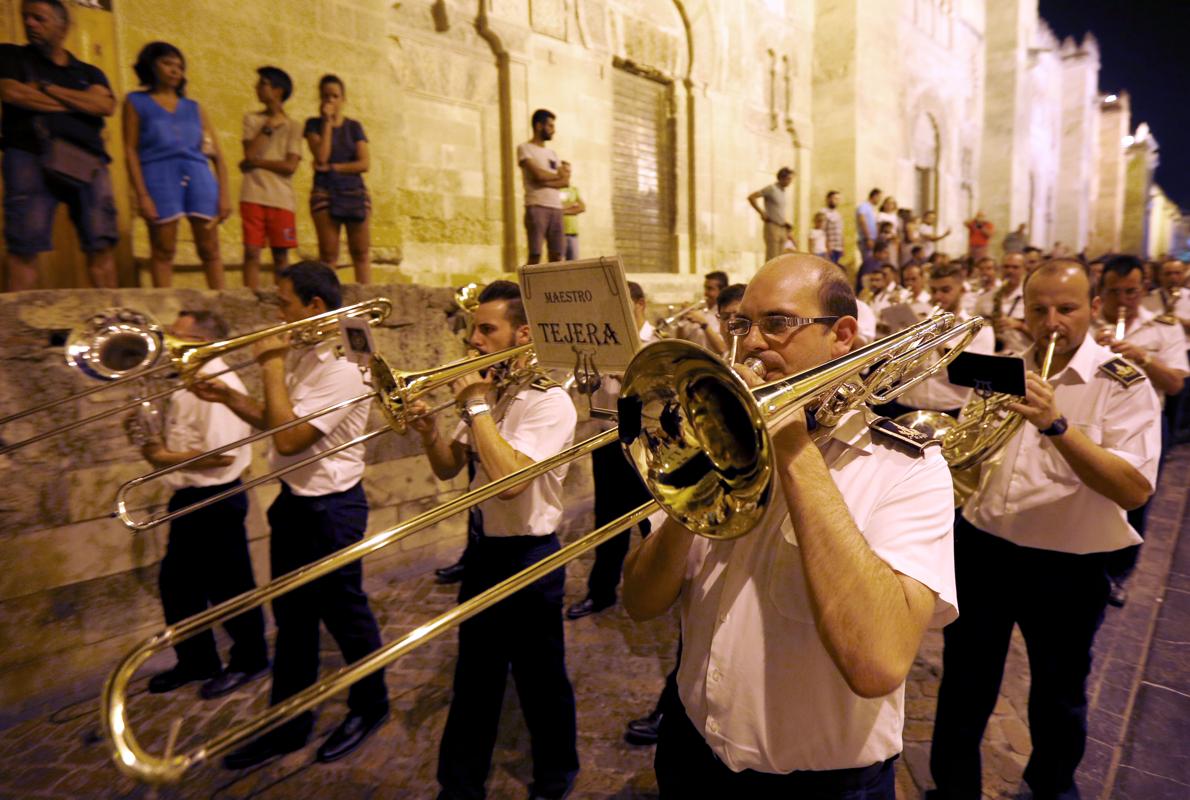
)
(580, 310)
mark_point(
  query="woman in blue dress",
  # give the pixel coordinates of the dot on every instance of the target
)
(170, 144)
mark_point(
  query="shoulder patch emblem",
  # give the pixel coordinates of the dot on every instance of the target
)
(907, 440)
(1122, 370)
(1166, 319)
(543, 383)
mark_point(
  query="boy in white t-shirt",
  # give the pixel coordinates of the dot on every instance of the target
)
(818, 235)
(272, 150)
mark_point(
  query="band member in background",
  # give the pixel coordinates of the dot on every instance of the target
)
(321, 508)
(618, 487)
(981, 288)
(506, 427)
(797, 638)
(206, 558)
(1046, 515)
(1173, 299)
(1154, 342)
(937, 393)
(1006, 307)
(695, 326)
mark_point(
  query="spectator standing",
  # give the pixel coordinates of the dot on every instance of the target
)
(834, 226)
(818, 236)
(979, 233)
(543, 174)
(339, 198)
(165, 136)
(927, 233)
(776, 225)
(48, 94)
(1015, 241)
(272, 149)
(572, 206)
(888, 213)
(865, 223)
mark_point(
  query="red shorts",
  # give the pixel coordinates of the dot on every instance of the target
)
(268, 226)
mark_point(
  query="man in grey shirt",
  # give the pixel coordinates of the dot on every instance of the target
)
(776, 226)
(544, 175)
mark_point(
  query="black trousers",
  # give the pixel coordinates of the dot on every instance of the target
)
(302, 530)
(618, 490)
(687, 767)
(522, 633)
(1058, 600)
(206, 562)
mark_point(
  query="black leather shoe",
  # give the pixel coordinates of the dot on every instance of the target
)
(262, 749)
(228, 682)
(1118, 595)
(644, 730)
(451, 574)
(171, 679)
(586, 608)
(349, 735)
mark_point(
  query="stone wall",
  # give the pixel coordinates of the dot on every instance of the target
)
(78, 588)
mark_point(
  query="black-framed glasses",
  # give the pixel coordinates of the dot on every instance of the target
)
(774, 324)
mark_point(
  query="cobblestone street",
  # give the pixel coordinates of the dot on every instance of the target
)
(617, 668)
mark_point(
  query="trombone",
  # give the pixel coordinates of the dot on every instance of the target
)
(395, 389)
(665, 327)
(701, 376)
(121, 345)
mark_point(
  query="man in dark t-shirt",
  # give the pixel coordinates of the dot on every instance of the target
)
(48, 94)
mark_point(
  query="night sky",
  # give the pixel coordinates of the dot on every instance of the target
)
(1144, 49)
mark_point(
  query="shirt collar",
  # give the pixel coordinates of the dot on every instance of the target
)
(851, 431)
(1086, 359)
(646, 332)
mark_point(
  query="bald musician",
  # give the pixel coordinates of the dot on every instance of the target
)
(798, 637)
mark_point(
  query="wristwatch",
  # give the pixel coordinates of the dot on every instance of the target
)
(473, 408)
(1057, 429)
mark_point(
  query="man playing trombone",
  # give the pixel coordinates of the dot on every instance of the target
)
(321, 508)
(206, 558)
(1032, 542)
(507, 424)
(798, 637)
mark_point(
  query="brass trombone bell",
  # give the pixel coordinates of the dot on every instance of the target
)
(119, 345)
(701, 438)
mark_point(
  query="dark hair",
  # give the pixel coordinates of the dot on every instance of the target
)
(279, 79)
(719, 277)
(835, 295)
(781, 173)
(510, 293)
(58, 6)
(541, 116)
(149, 55)
(886, 225)
(985, 259)
(312, 279)
(1055, 265)
(1121, 265)
(881, 244)
(917, 248)
(901, 271)
(635, 292)
(1031, 249)
(329, 78)
(732, 294)
(952, 270)
(831, 192)
(213, 326)
(872, 194)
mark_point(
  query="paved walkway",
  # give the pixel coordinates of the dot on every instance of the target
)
(1139, 696)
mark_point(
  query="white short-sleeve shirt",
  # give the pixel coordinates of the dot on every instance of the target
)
(937, 393)
(1162, 339)
(316, 378)
(193, 424)
(1012, 305)
(1159, 301)
(867, 321)
(537, 424)
(755, 677)
(1028, 493)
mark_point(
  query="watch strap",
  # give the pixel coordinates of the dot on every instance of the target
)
(1058, 427)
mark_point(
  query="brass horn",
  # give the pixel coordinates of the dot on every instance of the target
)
(701, 438)
(394, 389)
(665, 327)
(893, 362)
(121, 345)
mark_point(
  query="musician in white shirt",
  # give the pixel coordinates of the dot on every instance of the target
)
(508, 425)
(798, 637)
(1032, 541)
(1005, 307)
(206, 558)
(321, 508)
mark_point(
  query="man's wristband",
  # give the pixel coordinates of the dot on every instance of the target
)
(1058, 427)
(473, 408)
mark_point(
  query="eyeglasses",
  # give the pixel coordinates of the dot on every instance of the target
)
(774, 324)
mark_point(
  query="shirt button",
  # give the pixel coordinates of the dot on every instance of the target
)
(712, 725)
(722, 618)
(716, 675)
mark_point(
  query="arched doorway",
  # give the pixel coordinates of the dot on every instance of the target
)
(926, 157)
